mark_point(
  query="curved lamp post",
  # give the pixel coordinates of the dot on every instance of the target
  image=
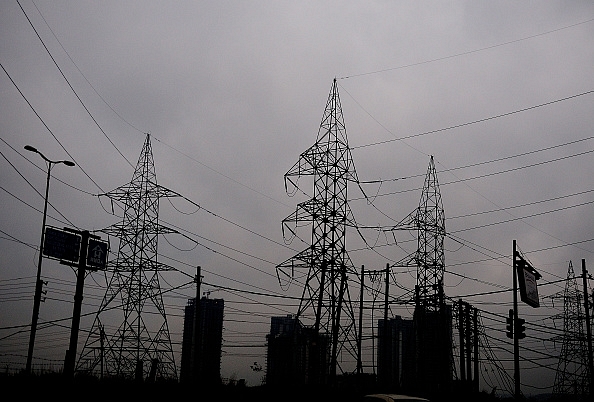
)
(39, 283)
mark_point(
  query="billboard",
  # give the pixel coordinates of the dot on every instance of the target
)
(61, 244)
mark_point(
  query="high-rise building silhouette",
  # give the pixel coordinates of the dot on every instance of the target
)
(296, 355)
(201, 349)
(283, 365)
(396, 354)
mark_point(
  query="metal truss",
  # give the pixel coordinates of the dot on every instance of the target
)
(324, 267)
(140, 345)
(430, 260)
(572, 376)
(428, 220)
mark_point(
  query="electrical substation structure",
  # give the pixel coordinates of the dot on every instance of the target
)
(139, 347)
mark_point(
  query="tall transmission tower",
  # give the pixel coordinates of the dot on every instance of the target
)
(430, 260)
(432, 317)
(325, 266)
(140, 346)
(572, 376)
(428, 220)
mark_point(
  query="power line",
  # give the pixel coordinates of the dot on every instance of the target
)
(29, 183)
(484, 162)
(522, 205)
(127, 122)
(81, 73)
(482, 120)
(467, 52)
(44, 124)
(475, 178)
(72, 88)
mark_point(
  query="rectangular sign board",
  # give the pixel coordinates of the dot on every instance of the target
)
(528, 288)
(61, 244)
(97, 254)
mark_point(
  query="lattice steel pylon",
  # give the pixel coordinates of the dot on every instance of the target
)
(429, 257)
(140, 346)
(325, 265)
(572, 376)
(428, 220)
(432, 317)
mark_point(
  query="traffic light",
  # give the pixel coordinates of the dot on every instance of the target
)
(510, 324)
(520, 328)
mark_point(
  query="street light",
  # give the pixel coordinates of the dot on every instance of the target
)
(39, 283)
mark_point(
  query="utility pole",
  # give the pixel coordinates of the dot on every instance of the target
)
(78, 297)
(468, 342)
(386, 301)
(476, 351)
(517, 391)
(360, 335)
(87, 260)
(387, 356)
(196, 341)
(588, 329)
(462, 339)
(383, 357)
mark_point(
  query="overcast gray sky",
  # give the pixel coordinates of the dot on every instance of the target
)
(500, 93)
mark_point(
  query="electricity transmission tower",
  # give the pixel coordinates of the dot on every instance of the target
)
(432, 317)
(325, 266)
(430, 222)
(572, 376)
(140, 346)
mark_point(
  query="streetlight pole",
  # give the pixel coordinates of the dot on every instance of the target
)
(39, 282)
